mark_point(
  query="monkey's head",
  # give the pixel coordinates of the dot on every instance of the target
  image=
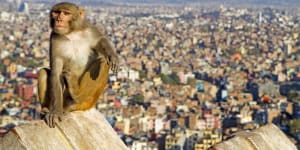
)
(66, 17)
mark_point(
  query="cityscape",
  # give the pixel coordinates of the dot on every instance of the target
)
(192, 73)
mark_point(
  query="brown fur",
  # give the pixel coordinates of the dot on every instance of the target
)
(88, 90)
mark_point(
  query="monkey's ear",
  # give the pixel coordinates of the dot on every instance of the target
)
(81, 13)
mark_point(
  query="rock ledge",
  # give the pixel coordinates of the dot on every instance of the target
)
(268, 137)
(82, 130)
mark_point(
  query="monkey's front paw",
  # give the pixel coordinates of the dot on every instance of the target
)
(44, 111)
(52, 118)
(113, 62)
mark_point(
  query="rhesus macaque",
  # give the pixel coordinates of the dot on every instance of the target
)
(80, 59)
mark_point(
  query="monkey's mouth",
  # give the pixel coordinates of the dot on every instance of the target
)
(59, 24)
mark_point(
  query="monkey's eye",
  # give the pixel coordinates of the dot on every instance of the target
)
(56, 13)
(61, 12)
(67, 13)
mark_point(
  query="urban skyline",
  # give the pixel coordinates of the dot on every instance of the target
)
(188, 74)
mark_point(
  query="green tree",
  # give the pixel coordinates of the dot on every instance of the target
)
(192, 81)
(31, 62)
(293, 96)
(175, 78)
(138, 99)
(169, 79)
(2, 67)
(294, 127)
(142, 74)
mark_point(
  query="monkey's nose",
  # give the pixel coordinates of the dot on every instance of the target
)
(58, 20)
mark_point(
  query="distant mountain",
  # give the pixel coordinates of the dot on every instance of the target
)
(277, 3)
(221, 1)
(294, 3)
(181, 1)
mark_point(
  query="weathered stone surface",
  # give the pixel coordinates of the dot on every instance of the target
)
(79, 131)
(268, 137)
(234, 144)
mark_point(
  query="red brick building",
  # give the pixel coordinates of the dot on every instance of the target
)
(25, 91)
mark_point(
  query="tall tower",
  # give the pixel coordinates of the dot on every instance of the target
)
(260, 18)
(24, 8)
(18, 4)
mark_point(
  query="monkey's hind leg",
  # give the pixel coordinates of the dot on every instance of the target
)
(43, 87)
(91, 85)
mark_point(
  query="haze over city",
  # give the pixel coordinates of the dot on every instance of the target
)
(193, 72)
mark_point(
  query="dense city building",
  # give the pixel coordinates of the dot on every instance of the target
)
(190, 76)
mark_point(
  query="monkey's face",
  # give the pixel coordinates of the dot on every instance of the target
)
(61, 21)
(66, 17)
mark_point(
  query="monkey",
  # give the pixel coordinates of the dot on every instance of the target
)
(80, 59)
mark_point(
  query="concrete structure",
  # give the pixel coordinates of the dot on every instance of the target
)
(80, 130)
(268, 137)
